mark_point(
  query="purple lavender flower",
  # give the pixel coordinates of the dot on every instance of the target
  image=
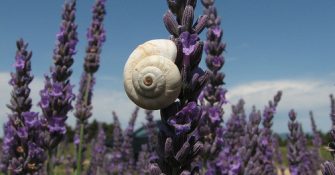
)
(98, 152)
(120, 160)
(96, 37)
(127, 145)
(113, 163)
(297, 155)
(212, 98)
(331, 145)
(332, 112)
(250, 139)
(328, 167)
(317, 143)
(178, 145)
(117, 133)
(263, 160)
(184, 120)
(230, 161)
(278, 153)
(151, 128)
(188, 42)
(22, 153)
(143, 161)
(226, 164)
(56, 97)
(148, 150)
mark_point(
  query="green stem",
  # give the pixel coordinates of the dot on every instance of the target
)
(80, 148)
(49, 165)
(174, 171)
(81, 137)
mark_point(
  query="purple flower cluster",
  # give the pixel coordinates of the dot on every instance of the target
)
(113, 163)
(298, 155)
(252, 132)
(143, 161)
(148, 150)
(22, 151)
(262, 162)
(317, 143)
(96, 36)
(278, 154)
(230, 161)
(98, 152)
(178, 145)
(57, 95)
(244, 149)
(121, 157)
(127, 146)
(328, 167)
(212, 98)
(152, 131)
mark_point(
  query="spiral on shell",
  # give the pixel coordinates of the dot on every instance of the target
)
(151, 79)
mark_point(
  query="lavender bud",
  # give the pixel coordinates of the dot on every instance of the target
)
(171, 24)
(200, 24)
(183, 152)
(168, 147)
(154, 169)
(187, 19)
(328, 168)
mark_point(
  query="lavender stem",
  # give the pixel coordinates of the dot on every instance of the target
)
(96, 37)
(82, 125)
(78, 172)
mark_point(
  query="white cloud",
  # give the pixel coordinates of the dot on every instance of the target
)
(301, 95)
(104, 102)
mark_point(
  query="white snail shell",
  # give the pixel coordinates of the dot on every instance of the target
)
(151, 79)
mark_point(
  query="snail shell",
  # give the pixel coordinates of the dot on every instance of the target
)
(151, 79)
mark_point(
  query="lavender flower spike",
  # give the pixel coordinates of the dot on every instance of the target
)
(328, 167)
(114, 161)
(278, 154)
(96, 36)
(332, 112)
(213, 96)
(57, 95)
(317, 143)
(22, 153)
(127, 146)
(263, 161)
(178, 144)
(252, 132)
(148, 150)
(98, 152)
(230, 161)
(152, 131)
(297, 155)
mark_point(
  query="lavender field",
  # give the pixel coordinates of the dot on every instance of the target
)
(171, 87)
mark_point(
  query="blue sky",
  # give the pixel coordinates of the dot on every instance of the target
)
(271, 45)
